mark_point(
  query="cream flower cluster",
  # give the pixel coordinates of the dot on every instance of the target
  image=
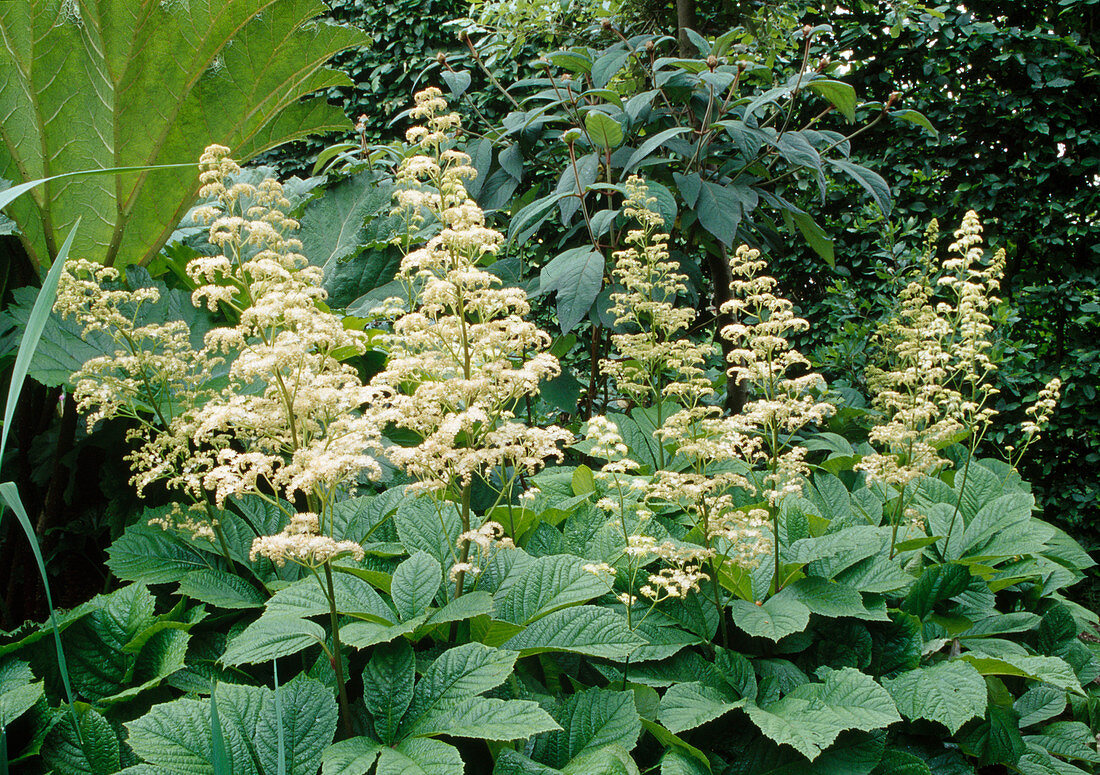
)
(464, 356)
(290, 419)
(932, 388)
(782, 402)
(655, 358)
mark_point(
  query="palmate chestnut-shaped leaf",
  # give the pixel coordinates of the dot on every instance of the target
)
(95, 84)
(176, 736)
(445, 701)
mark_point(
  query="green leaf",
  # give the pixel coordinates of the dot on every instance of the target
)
(550, 583)
(592, 719)
(650, 144)
(841, 94)
(854, 698)
(996, 740)
(576, 275)
(152, 555)
(720, 211)
(460, 609)
(271, 637)
(351, 757)
(388, 686)
(221, 589)
(603, 130)
(918, 118)
(799, 723)
(347, 231)
(308, 722)
(420, 756)
(176, 736)
(1051, 670)
(774, 619)
(871, 181)
(1041, 702)
(1067, 740)
(95, 751)
(415, 584)
(426, 525)
(901, 763)
(308, 598)
(584, 629)
(689, 705)
(95, 94)
(815, 237)
(463, 671)
(18, 690)
(950, 693)
(487, 718)
(828, 598)
(935, 584)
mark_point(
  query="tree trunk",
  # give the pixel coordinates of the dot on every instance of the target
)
(685, 20)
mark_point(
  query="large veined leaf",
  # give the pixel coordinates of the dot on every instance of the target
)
(270, 637)
(95, 751)
(584, 629)
(307, 721)
(577, 277)
(550, 583)
(951, 693)
(415, 583)
(420, 756)
(93, 84)
(18, 690)
(591, 720)
(485, 718)
(176, 736)
(689, 705)
(347, 232)
(775, 618)
(388, 687)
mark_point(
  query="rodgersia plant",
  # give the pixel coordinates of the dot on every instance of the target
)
(462, 356)
(287, 427)
(933, 384)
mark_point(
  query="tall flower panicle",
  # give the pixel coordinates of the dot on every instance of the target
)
(932, 386)
(784, 394)
(463, 358)
(288, 421)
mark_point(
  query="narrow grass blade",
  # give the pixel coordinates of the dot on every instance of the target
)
(40, 313)
(8, 491)
(217, 739)
(280, 742)
(10, 495)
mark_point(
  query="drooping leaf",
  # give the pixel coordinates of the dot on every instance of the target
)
(775, 618)
(486, 718)
(351, 757)
(689, 705)
(576, 276)
(420, 756)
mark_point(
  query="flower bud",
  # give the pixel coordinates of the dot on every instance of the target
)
(441, 58)
(712, 61)
(650, 46)
(893, 98)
